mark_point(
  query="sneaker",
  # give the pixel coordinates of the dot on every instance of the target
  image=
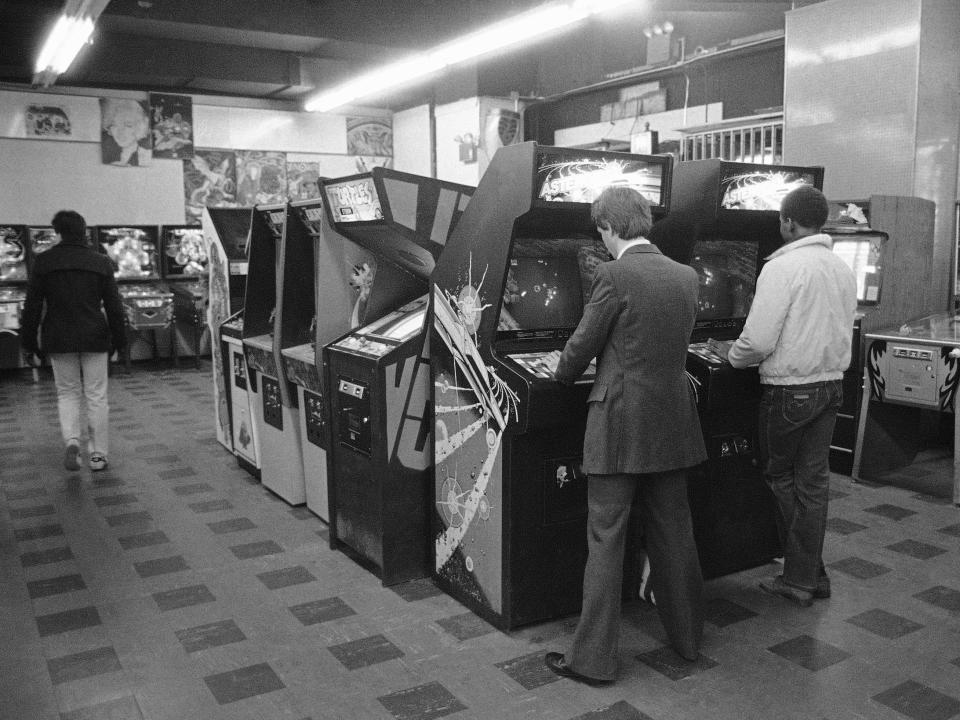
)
(776, 586)
(98, 461)
(71, 456)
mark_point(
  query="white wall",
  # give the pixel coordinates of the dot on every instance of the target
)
(457, 119)
(413, 141)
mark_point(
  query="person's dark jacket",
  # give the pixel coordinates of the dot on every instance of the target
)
(70, 287)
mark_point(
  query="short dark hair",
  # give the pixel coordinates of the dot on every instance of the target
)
(70, 226)
(624, 210)
(806, 206)
(675, 236)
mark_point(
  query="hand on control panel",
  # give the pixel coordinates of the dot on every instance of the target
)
(720, 347)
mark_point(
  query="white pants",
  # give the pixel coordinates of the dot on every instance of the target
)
(77, 376)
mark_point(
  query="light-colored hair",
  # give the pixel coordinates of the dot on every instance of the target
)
(114, 107)
(624, 210)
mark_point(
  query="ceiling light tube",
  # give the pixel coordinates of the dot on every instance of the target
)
(64, 42)
(500, 35)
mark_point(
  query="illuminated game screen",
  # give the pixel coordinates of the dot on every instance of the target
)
(275, 218)
(354, 200)
(311, 216)
(862, 255)
(728, 272)
(183, 252)
(13, 254)
(760, 188)
(566, 178)
(42, 239)
(132, 250)
(548, 283)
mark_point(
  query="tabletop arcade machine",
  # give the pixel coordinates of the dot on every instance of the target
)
(183, 266)
(735, 208)
(273, 409)
(378, 375)
(14, 256)
(509, 491)
(147, 304)
(225, 235)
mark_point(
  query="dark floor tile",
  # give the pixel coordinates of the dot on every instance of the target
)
(106, 480)
(111, 500)
(303, 513)
(916, 549)
(162, 460)
(858, 568)
(234, 685)
(38, 532)
(45, 557)
(125, 708)
(722, 612)
(89, 663)
(128, 518)
(31, 512)
(140, 540)
(837, 494)
(667, 662)
(885, 624)
(285, 577)
(203, 637)
(943, 597)
(319, 611)
(465, 626)
(843, 527)
(68, 620)
(55, 586)
(24, 493)
(810, 653)
(234, 525)
(365, 652)
(129, 426)
(176, 473)
(919, 702)
(953, 530)
(412, 590)
(529, 671)
(423, 702)
(183, 597)
(955, 661)
(151, 448)
(255, 549)
(210, 506)
(161, 566)
(193, 488)
(618, 711)
(894, 512)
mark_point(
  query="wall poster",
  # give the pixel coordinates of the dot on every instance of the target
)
(171, 122)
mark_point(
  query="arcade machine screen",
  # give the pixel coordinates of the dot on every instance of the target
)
(13, 254)
(728, 272)
(133, 251)
(354, 200)
(761, 188)
(861, 253)
(183, 254)
(42, 239)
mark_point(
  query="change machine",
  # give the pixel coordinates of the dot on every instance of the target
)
(736, 209)
(225, 235)
(14, 255)
(378, 373)
(273, 408)
(510, 497)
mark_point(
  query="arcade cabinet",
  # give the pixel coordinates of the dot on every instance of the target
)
(377, 369)
(510, 494)
(148, 305)
(14, 256)
(225, 235)
(735, 207)
(273, 410)
(183, 265)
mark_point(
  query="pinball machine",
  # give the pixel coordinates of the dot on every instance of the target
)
(14, 262)
(376, 363)
(183, 267)
(509, 492)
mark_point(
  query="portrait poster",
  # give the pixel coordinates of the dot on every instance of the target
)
(370, 136)
(171, 122)
(261, 177)
(303, 180)
(125, 132)
(47, 121)
(209, 180)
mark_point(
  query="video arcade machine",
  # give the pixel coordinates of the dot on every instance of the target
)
(183, 266)
(14, 256)
(273, 407)
(736, 209)
(509, 490)
(147, 303)
(377, 367)
(225, 235)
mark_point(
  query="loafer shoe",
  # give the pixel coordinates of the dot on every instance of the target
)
(556, 662)
(98, 461)
(71, 457)
(822, 591)
(776, 586)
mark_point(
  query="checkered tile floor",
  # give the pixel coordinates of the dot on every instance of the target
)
(174, 587)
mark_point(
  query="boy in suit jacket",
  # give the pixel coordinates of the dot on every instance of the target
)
(642, 432)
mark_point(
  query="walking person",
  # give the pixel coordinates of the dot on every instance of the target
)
(642, 433)
(799, 331)
(73, 301)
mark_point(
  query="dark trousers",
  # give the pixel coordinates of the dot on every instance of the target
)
(796, 426)
(675, 567)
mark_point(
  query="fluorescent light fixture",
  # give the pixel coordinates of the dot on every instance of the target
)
(64, 42)
(519, 28)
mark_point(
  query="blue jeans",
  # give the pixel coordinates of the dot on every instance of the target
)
(795, 429)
